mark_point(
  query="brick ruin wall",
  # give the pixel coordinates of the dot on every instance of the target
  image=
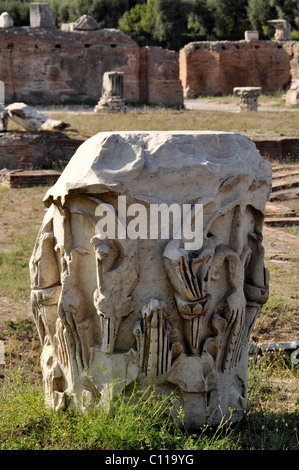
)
(215, 68)
(159, 76)
(40, 150)
(52, 66)
(34, 159)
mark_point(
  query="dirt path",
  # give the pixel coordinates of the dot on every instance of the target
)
(214, 104)
(12, 310)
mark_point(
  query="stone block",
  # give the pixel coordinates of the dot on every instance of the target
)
(249, 35)
(85, 23)
(27, 179)
(67, 27)
(120, 299)
(42, 16)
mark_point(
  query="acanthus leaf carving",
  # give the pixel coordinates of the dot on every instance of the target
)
(190, 275)
(152, 335)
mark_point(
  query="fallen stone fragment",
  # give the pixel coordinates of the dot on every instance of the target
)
(33, 120)
(289, 347)
(54, 125)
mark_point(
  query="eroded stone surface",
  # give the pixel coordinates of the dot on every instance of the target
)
(112, 311)
(85, 23)
(42, 16)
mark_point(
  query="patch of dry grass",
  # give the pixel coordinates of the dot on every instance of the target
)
(253, 124)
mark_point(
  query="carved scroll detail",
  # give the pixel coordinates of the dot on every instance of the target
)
(117, 275)
(228, 321)
(43, 263)
(256, 285)
(44, 307)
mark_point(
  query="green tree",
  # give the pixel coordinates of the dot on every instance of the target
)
(200, 21)
(19, 10)
(259, 12)
(230, 18)
(287, 10)
(106, 12)
(138, 22)
(64, 11)
(170, 17)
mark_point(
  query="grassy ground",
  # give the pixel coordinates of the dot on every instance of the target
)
(272, 418)
(166, 119)
(278, 121)
(142, 423)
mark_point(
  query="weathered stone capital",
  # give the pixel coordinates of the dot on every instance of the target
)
(117, 297)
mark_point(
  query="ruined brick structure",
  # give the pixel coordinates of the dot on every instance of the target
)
(159, 76)
(41, 65)
(28, 178)
(215, 68)
(32, 159)
(48, 65)
(31, 151)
